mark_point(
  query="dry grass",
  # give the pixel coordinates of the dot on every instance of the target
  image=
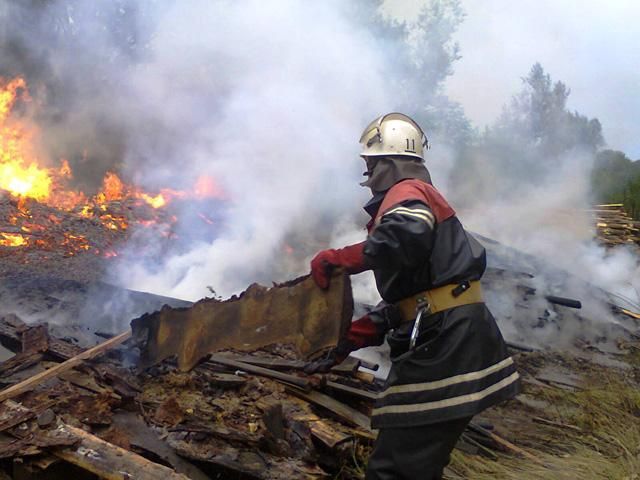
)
(602, 440)
(596, 433)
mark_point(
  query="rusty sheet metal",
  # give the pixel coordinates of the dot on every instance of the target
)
(297, 313)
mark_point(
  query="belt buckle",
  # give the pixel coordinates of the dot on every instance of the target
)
(422, 307)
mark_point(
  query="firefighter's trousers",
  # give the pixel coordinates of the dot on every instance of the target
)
(416, 453)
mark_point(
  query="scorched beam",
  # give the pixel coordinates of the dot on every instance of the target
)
(296, 313)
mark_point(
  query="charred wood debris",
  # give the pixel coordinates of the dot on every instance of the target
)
(108, 412)
(94, 413)
(38, 238)
(236, 415)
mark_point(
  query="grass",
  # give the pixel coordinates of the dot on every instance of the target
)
(600, 438)
(595, 432)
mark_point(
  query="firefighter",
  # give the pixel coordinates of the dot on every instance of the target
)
(448, 358)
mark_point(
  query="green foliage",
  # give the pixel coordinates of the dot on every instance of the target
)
(538, 117)
(419, 57)
(533, 137)
(616, 179)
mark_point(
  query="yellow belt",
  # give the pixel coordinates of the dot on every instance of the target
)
(441, 298)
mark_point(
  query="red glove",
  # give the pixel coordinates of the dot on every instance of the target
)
(362, 333)
(350, 258)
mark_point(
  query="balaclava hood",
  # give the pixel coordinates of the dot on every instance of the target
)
(391, 169)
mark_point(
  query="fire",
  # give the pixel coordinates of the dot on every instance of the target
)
(30, 178)
(28, 181)
(206, 187)
(19, 170)
(113, 187)
(12, 240)
(8, 95)
(156, 202)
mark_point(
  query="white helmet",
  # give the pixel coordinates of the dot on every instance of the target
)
(394, 134)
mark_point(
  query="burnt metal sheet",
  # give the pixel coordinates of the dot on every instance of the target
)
(297, 313)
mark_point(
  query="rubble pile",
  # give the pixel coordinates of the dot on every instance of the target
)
(615, 227)
(272, 424)
(76, 244)
(253, 415)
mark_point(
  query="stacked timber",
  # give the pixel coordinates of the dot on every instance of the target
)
(614, 227)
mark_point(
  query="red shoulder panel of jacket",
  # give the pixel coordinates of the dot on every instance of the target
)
(414, 189)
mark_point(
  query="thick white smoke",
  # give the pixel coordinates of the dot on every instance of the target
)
(269, 99)
(552, 221)
(270, 104)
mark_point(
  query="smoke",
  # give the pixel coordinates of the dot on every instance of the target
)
(269, 98)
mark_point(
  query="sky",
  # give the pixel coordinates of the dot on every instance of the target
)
(593, 46)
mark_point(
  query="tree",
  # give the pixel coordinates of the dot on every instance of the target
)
(534, 136)
(538, 117)
(419, 57)
(616, 179)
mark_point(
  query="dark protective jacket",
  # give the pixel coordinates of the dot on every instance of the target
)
(461, 366)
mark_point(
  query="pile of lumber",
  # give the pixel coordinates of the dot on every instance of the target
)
(614, 226)
(66, 411)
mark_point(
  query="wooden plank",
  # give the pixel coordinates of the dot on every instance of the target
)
(327, 434)
(224, 380)
(356, 392)
(35, 339)
(505, 443)
(556, 424)
(297, 312)
(271, 363)
(630, 313)
(62, 349)
(88, 382)
(32, 382)
(346, 413)
(12, 414)
(143, 438)
(303, 383)
(479, 447)
(349, 366)
(10, 332)
(109, 461)
(17, 363)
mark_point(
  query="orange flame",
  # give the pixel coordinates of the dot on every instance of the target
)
(24, 175)
(156, 202)
(113, 188)
(206, 187)
(19, 170)
(12, 240)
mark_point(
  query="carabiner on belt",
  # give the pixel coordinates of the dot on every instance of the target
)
(422, 307)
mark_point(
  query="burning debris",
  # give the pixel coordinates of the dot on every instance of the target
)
(218, 388)
(258, 418)
(249, 412)
(43, 216)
